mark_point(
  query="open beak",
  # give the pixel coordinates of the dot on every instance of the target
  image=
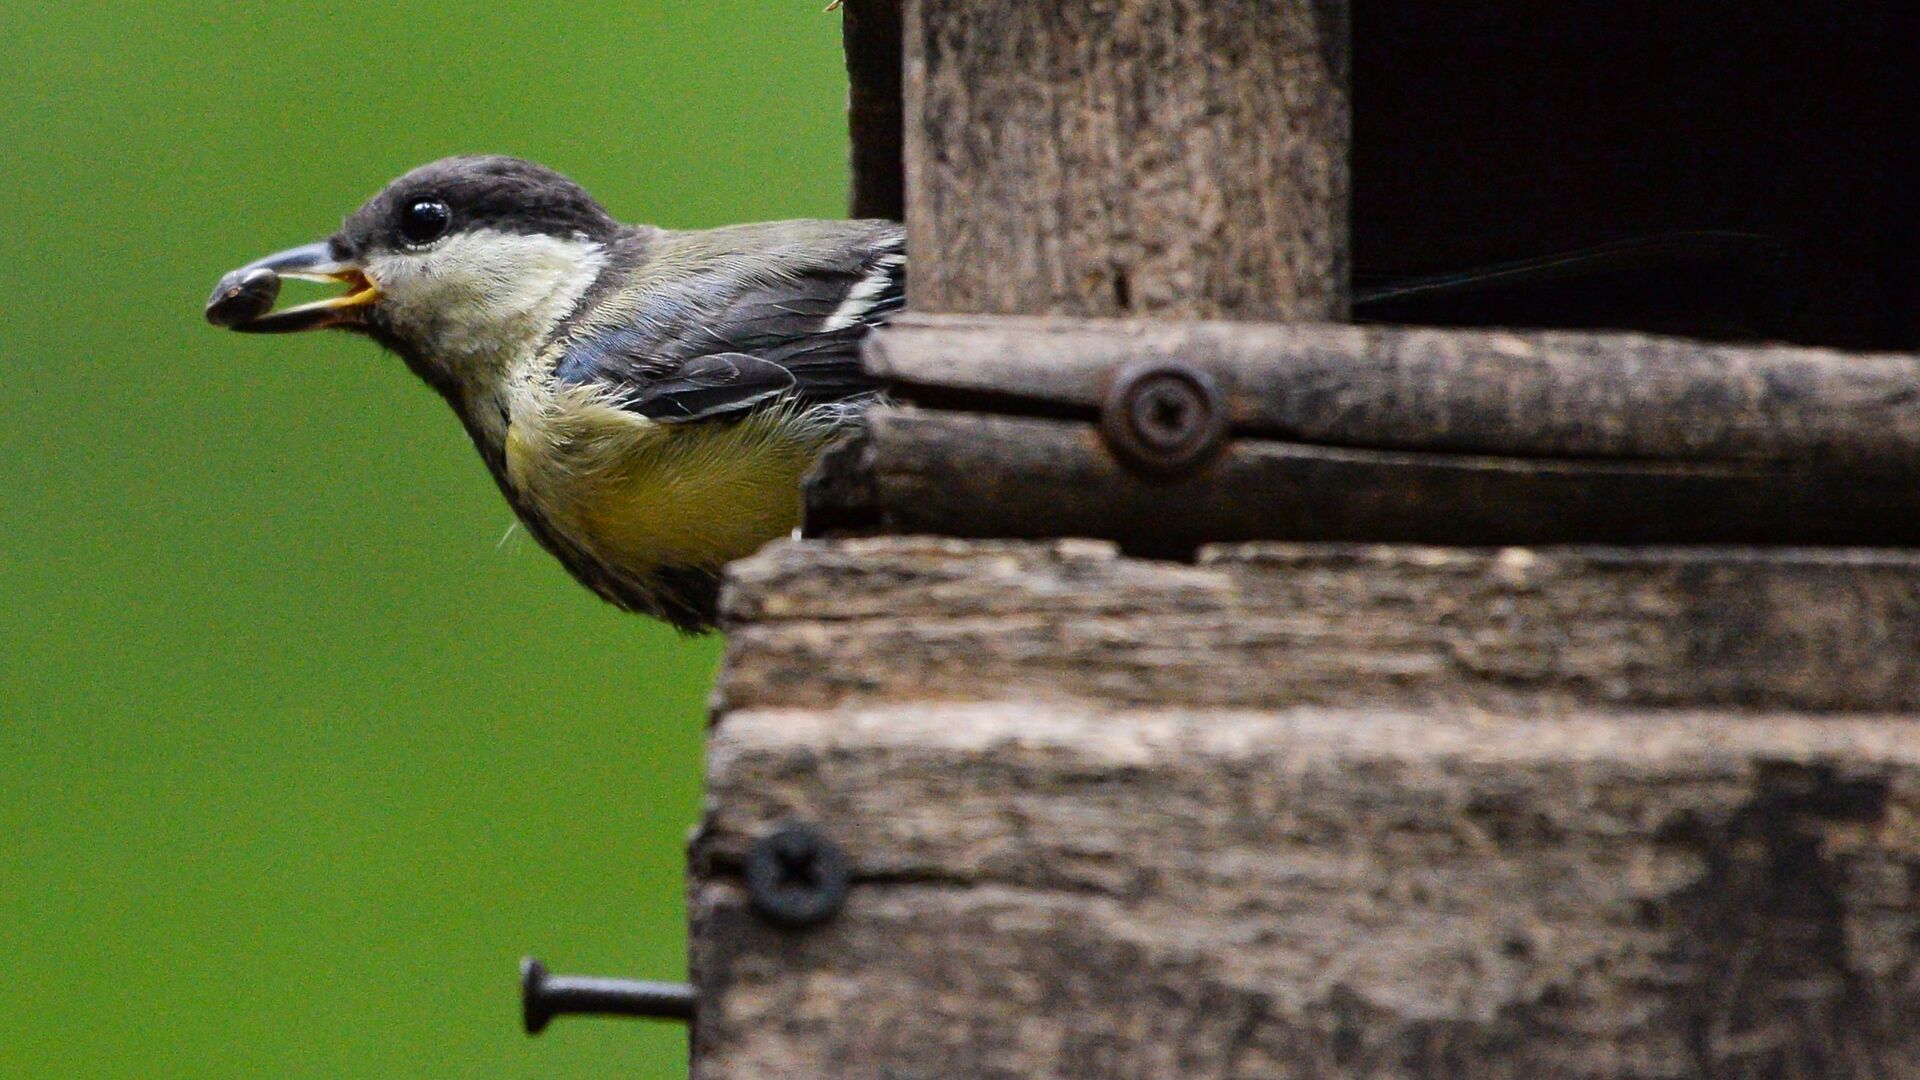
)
(244, 298)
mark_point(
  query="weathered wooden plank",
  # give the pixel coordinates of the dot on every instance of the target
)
(870, 33)
(985, 475)
(1049, 890)
(1135, 156)
(1278, 626)
(1542, 394)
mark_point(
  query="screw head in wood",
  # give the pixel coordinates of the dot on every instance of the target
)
(1163, 417)
(796, 877)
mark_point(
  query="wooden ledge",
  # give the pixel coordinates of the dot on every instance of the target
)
(1380, 434)
(1533, 394)
(1282, 625)
(1317, 892)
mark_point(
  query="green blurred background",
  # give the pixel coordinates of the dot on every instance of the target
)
(299, 756)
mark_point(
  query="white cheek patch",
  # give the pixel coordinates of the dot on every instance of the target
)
(485, 291)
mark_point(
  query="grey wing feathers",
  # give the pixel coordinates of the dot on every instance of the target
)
(729, 339)
(709, 387)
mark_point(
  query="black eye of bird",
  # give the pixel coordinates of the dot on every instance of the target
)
(424, 220)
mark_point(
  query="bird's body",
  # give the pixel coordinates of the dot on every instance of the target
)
(646, 399)
(651, 436)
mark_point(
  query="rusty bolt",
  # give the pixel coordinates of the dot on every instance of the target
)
(1163, 417)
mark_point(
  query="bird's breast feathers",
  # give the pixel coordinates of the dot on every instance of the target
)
(637, 494)
(663, 428)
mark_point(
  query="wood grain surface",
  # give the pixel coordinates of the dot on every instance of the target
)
(973, 474)
(1523, 393)
(1053, 890)
(1320, 810)
(1521, 807)
(1383, 434)
(820, 625)
(1141, 156)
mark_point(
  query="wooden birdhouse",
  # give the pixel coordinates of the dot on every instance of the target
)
(1391, 553)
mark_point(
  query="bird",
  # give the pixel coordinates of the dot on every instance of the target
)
(646, 399)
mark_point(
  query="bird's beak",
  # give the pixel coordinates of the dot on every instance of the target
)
(244, 298)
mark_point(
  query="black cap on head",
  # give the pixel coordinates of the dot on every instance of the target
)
(506, 194)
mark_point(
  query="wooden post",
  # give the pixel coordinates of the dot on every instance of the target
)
(1158, 157)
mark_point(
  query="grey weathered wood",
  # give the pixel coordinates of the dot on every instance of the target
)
(1310, 810)
(1545, 394)
(1140, 156)
(824, 625)
(1320, 811)
(1387, 434)
(870, 32)
(985, 475)
(1057, 890)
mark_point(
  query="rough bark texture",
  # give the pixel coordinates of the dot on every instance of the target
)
(821, 625)
(1542, 394)
(1498, 814)
(1053, 884)
(1385, 434)
(984, 475)
(1129, 156)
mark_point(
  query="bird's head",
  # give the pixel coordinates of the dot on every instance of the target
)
(457, 263)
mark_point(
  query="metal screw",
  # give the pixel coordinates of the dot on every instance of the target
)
(1163, 417)
(544, 996)
(796, 877)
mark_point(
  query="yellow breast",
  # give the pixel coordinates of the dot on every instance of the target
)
(638, 494)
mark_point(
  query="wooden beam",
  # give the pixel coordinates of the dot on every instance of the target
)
(1047, 889)
(1524, 393)
(1385, 434)
(980, 475)
(1139, 156)
(1271, 626)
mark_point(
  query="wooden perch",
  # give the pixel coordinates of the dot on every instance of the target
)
(1389, 434)
(1277, 626)
(1549, 394)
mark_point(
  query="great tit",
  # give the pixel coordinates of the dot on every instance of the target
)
(646, 399)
